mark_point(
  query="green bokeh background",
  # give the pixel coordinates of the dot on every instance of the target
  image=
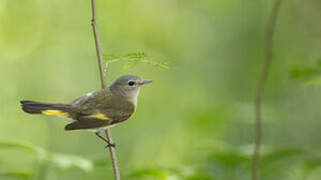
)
(196, 120)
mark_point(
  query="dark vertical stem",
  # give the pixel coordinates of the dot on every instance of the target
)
(260, 90)
(103, 86)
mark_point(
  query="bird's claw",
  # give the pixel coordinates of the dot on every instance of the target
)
(110, 145)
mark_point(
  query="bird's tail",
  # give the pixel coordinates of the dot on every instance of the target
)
(33, 107)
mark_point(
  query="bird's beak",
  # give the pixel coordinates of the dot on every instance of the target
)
(142, 82)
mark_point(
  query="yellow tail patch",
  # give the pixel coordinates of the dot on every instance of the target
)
(99, 116)
(55, 112)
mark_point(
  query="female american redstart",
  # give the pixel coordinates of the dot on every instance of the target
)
(98, 110)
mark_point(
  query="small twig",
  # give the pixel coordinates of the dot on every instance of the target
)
(103, 86)
(261, 85)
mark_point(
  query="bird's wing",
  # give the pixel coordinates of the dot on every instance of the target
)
(86, 98)
(102, 108)
(86, 124)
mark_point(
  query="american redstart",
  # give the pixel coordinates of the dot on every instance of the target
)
(98, 110)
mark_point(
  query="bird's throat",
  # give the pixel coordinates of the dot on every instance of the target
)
(133, 97)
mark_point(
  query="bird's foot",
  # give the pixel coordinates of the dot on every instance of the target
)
(110, 145)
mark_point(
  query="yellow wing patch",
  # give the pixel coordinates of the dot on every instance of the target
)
(55, 112)
(99, 116)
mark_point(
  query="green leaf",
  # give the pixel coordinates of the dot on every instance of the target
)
(299, 72)
(158, 174)
(17, 173)
(198, 177)
(311, 75)
(280, 154)
(313, 82)
(186, 173)
(311, 163)
(136, 55)
(319, 62)
(100, 161)
(135, 58)
(111, 58)
(230, 159)
(158, 64)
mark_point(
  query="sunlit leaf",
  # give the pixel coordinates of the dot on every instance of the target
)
(64, 162)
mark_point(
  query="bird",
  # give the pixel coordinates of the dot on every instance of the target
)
(95, 111)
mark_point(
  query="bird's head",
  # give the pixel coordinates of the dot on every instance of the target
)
(128, 86)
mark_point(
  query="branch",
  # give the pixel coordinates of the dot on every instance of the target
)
(103, 85)
(260, 89)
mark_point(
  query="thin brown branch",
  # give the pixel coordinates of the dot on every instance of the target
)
(97, 43)
(261, 86)
(103, 86)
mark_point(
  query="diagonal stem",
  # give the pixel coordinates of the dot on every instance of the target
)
(260, 89)
(103, 86)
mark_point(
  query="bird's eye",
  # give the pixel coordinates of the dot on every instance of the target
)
(131, 83)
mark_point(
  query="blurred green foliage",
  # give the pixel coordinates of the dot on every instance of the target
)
(195, 121)
(309, 74)
(43, 159)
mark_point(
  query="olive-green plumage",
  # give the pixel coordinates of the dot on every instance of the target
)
(98, 110)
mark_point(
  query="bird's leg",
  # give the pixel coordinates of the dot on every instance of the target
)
(104, 139)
